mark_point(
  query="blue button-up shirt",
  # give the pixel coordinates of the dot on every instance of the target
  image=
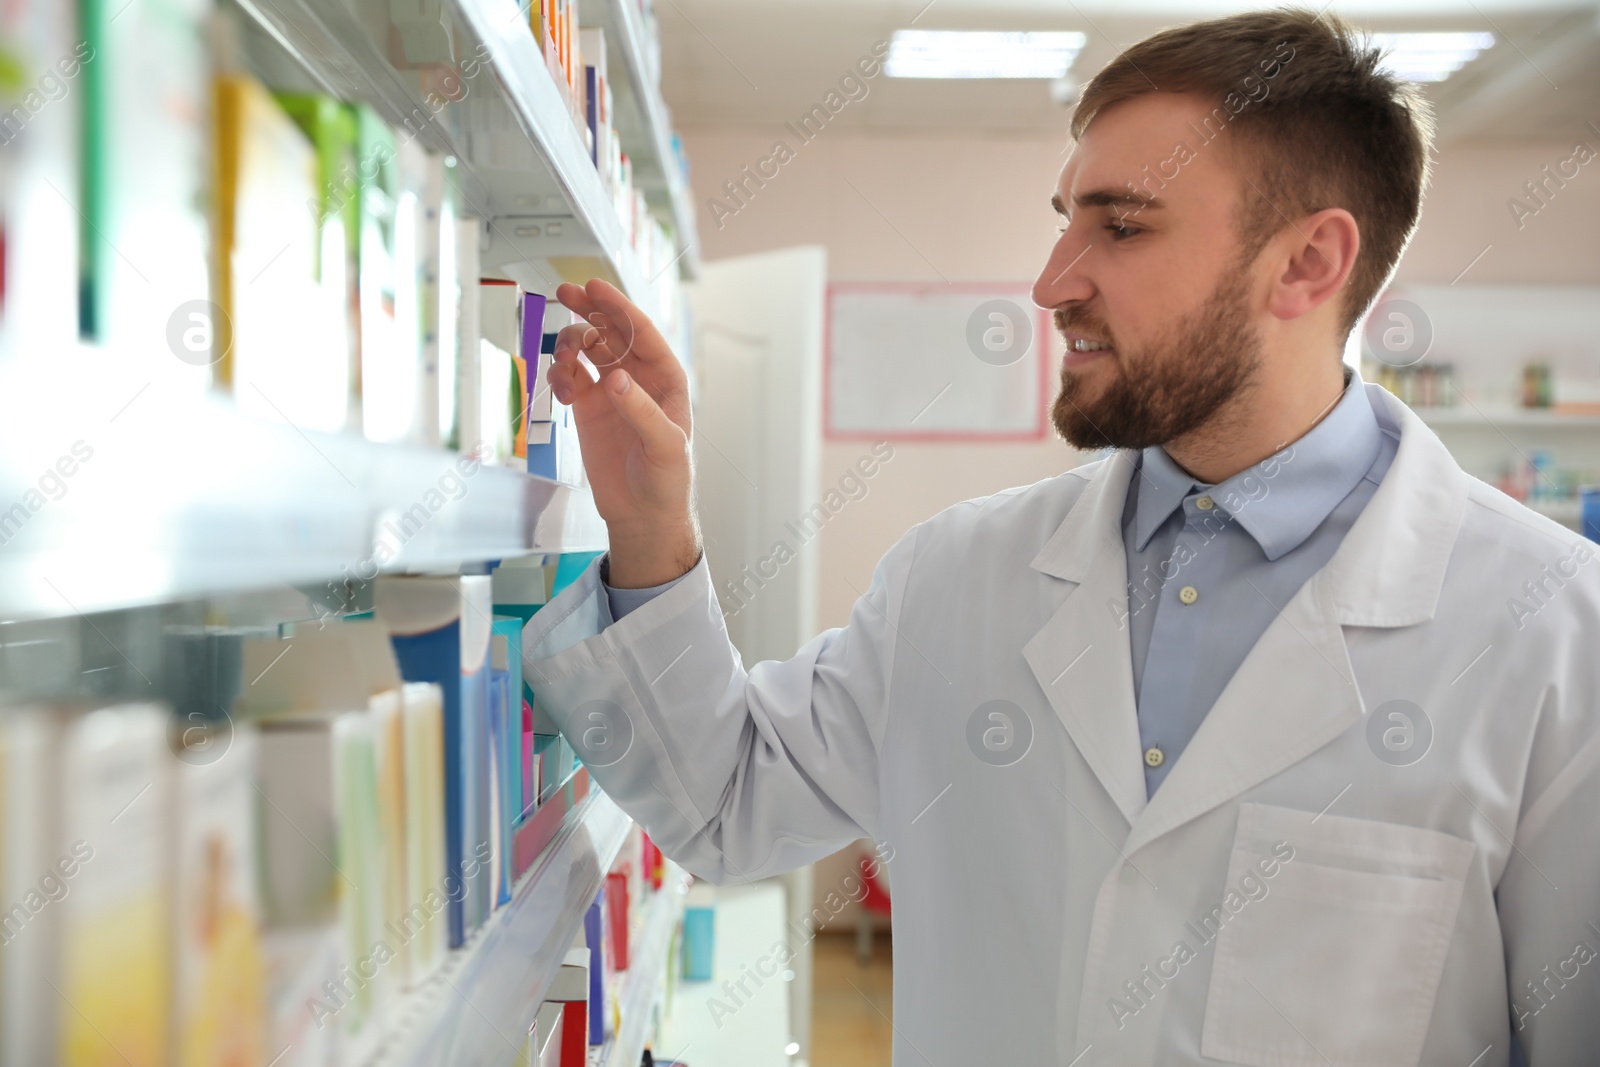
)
(1209, 566)
(1204, 581)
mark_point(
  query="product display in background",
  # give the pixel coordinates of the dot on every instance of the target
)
(1420, 385)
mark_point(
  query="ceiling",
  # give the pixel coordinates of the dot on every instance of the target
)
(761, 63)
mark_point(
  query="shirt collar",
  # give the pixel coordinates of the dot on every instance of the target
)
(1282, 499)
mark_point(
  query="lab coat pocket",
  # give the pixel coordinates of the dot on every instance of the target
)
(1335, 958)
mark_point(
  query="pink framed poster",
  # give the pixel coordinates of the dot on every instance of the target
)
(935, 362)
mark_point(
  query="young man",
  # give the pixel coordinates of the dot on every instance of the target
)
(1268, 739)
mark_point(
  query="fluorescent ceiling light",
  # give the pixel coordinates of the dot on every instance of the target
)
(1429, 57)
(980, 54)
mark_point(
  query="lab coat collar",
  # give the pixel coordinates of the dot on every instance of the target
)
(1295, 691)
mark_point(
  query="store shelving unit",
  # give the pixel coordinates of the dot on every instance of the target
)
(188, 497)
(642, 119)
(643, 983)
(480, 1009)
(289, 506)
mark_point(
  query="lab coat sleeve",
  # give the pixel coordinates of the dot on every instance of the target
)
(1549, 899)
(736, 775)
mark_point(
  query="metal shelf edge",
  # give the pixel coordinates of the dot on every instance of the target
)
(480, 1009)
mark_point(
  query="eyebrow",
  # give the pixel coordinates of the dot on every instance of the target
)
(1109, 198)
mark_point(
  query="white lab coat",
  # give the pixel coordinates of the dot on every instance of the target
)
(1339, 900)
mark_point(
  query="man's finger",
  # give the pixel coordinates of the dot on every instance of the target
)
(605, 338)
(640, 335)
(572, 340)
(570, 382)
(575, 299)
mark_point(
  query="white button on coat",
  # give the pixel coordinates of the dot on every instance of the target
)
(1310, 889)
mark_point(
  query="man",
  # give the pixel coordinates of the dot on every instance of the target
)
(1268, 739)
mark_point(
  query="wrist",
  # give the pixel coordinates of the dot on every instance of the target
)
(641, 558)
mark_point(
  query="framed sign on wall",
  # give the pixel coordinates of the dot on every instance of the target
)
(931, 361)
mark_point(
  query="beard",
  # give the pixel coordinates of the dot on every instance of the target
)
(1167, 389)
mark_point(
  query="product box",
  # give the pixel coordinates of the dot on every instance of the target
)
(594, 935)
(331, 126)
(326, 852)
(699, 933)
(571, 989)
(425, 924)
(322, 849)
(299, 960)
(469, 430)
(441, 630)
(115, 932)
(220, 988)
(508, 745)
(34, 873)
(142, 96)
(282, 333)
(500, 403)
(388, 365)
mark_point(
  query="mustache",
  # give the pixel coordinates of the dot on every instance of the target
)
(1077, 320)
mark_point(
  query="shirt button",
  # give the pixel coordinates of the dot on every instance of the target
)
(1188, 594)
(1154, 757)
(1204, 503)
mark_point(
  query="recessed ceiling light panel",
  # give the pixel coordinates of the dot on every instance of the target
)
(981, 54)
(1429, 57)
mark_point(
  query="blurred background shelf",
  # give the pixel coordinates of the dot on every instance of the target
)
(1492, 417)
(751, 919)
(1567, 512)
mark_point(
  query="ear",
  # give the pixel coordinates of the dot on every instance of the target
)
(1316, 255)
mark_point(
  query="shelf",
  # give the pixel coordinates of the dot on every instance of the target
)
(523, 159)
(643, 983)
(187, 496)
(641, 118)
(480, 1009)
(1489, 418)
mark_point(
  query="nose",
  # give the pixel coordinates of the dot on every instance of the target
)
(1064, 279)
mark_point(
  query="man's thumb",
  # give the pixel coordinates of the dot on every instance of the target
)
(640, 411)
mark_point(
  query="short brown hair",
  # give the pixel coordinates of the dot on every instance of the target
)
(1331, 128)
